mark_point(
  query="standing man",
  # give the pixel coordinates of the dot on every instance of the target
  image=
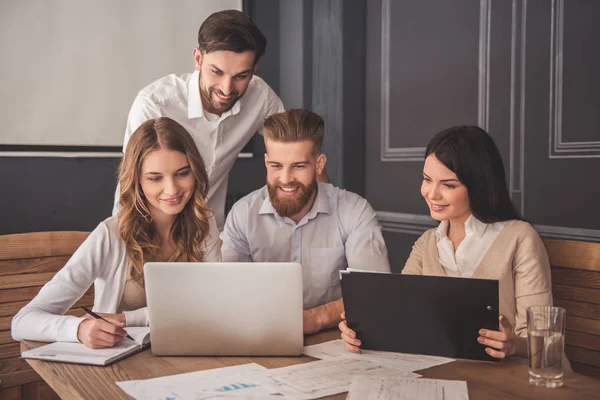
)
(296, 218)
(221, 104)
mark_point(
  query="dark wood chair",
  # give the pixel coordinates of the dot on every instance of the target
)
(576, 287)
(27, 262)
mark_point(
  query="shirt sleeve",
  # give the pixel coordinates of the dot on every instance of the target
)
(43, 318)
(235, 247)
(532, 277)
(365, 247)
(142, 109)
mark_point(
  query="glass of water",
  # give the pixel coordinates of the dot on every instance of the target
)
(545, 345)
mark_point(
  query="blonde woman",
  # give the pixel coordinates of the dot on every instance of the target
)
(163, 217)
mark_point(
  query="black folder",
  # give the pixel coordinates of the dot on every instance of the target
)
(439, 316)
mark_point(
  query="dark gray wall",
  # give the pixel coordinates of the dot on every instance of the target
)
(52, 193)
(469, 62)
(318, 51)
(526, 71)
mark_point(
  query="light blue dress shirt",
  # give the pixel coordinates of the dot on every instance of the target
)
(340, 231)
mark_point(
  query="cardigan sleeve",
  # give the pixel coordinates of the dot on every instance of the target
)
(531, 270)
(43, 318)
(414, 264)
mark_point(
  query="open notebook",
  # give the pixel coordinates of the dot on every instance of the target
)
(79, 354)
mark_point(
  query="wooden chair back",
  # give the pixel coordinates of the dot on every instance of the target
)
(576, 288)
(27, 262)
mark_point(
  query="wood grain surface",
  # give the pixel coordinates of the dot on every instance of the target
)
(504, 380)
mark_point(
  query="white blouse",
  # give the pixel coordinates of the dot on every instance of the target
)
(479, 237)
(101, 260)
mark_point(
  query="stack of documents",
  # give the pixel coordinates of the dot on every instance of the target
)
(321, 378)
(379, 375)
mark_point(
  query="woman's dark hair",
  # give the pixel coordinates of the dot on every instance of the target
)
(470, 152)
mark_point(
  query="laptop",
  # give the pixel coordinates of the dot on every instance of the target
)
(224, 309)
(433, 315)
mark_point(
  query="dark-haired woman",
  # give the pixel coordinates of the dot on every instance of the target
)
(480, 235)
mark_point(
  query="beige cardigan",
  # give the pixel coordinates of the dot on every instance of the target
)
(517, 259)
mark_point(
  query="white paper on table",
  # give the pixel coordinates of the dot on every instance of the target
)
(387, 388)
(335, 350)
(213, 383)
(320, 378)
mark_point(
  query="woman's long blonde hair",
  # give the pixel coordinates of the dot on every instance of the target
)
(135, 222)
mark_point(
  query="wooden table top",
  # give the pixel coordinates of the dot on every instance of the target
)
(504, 380)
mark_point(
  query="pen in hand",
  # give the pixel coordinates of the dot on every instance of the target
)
(93, 314)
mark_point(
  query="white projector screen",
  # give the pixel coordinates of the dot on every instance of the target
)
(70, 69)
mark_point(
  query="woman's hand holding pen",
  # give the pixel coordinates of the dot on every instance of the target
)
(97, 333)
(349, 336)
(117, 319)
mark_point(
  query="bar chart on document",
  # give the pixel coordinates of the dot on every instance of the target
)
(199, 385)
(234, 386)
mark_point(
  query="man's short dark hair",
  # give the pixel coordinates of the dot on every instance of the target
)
(231, 30)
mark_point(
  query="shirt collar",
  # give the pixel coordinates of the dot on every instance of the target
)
(266, 207)
(473, 226)
(234, 110)
(442, 230)
(195, 108)
(321, 204)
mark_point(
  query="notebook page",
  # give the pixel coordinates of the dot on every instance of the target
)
(141, 334)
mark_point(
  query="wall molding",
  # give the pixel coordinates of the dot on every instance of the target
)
(417, 224)
(398, 222)
(516, 170)
(327, 86)
(558, 147)
(395, 154)
(59, 154)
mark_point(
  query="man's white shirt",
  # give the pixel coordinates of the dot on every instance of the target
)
(219, 139)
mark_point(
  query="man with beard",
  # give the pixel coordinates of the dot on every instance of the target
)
(295, 218)
(221, 104)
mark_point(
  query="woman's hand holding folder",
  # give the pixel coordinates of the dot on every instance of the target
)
(503, 343)
(349, 336)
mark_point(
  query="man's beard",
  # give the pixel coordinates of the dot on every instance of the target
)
(216, 105)
(288, 207)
